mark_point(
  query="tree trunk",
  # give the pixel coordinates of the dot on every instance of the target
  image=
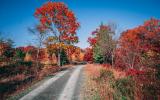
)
(37, 61)
(59, 53)
(112, 59)
(59, 57)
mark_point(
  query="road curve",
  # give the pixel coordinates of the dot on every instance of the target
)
(63, 86)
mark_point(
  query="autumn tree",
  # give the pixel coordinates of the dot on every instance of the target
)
(138, 54)
(70, 50)
(88, 56)
(53, 48)
(103, 43)
(60, 21)
(30, 52)
(40, 35)
(139, 47)
(6, 50)
(19, 54)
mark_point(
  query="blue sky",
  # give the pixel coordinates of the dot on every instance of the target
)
(17, 15)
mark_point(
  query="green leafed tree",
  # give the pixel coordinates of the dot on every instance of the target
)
(103, 43)
(64, 58)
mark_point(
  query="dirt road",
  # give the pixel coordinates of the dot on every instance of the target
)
(64, 85)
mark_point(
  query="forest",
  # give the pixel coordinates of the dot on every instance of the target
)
(123, 68)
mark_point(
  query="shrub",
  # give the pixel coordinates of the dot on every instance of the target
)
(133, 72)
(158, 71)
(64, 59)
(88, 56)
(99, 59)
(25, 63)
(106, 74)
(20, 54)
(124, 89)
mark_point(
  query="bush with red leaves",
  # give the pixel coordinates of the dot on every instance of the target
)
(134, 72)
(88, 56)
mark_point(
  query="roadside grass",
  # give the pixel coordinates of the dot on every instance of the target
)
(106, 83)
(45, 74)
(28, 88)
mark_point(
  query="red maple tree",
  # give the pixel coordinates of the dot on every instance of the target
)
(57, 18)
(139, 47)
(88, 56)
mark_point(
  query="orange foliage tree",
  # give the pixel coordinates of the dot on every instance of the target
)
(68, 49)
(88, 56)
(139, 47)
(58, 19)
(138, 53)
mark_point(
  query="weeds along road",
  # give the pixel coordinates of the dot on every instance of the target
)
(64, 85)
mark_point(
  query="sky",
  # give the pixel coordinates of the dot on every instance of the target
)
(16, 16)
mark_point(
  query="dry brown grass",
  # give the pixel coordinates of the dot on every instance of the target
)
(98, 90)
(102, 82)
(94, 70)
(89, 89)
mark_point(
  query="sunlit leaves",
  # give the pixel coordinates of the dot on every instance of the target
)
(140, 46)
(55, 16)
(88, 56)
